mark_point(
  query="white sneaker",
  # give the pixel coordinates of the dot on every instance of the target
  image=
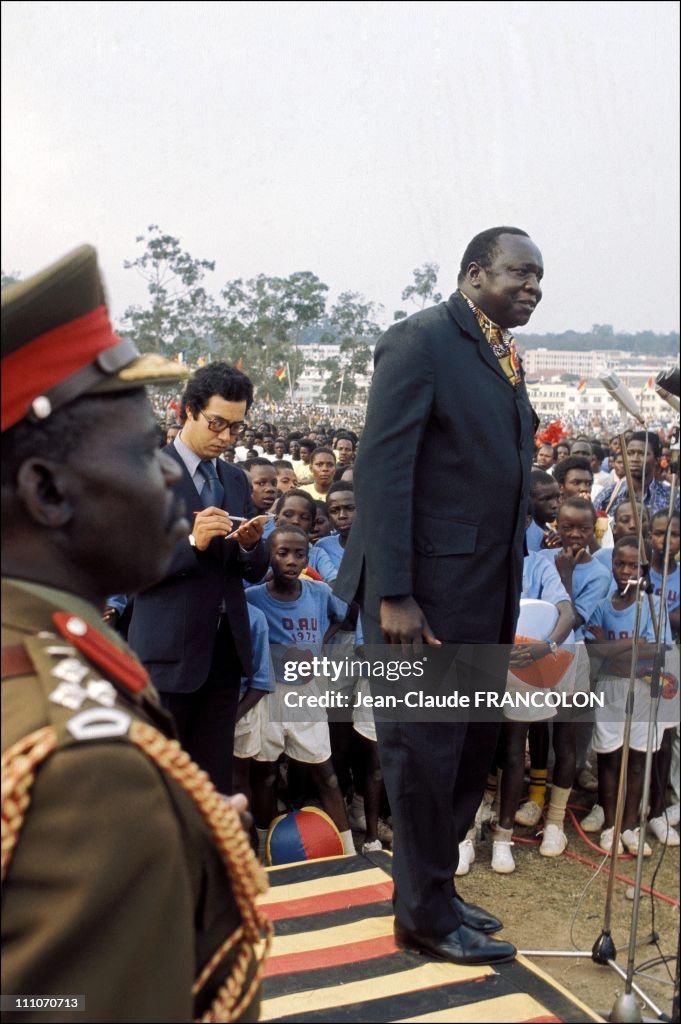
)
(528, 814)
(466, 857)
(502, 858)
(384, 832)
(587, 781)
(672, 813)
(356, 816)
(373, 847)
(594, 820)
(605, 841)
(553, 842)
(632, 839)
(664, 832)
(485, 811)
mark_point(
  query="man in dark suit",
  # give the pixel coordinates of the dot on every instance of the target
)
(441, 483)
(191, 630)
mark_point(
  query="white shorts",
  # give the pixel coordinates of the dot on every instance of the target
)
(363, 716)
(340, 646)
(248, 732)
(609, 727)
(303, 741)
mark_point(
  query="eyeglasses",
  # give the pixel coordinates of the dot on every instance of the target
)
(218, 425)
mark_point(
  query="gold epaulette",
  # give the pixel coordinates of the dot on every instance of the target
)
(249, 944)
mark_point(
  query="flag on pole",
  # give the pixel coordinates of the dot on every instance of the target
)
(201, 361)
(180, 358)
(280, 373)
(582, 385)
(650, 384)
(239, 364)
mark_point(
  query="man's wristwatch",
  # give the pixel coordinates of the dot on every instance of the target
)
(553, 646)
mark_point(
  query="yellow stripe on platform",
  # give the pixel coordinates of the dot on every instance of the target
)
(428, 976)
(341, 935)
(319, 886)
(503, 1010)
(589, 1014)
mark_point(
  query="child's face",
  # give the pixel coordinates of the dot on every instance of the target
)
(294, 450)
(286, 479)
(578, 483)
(322, 468)
(576, 527)
(625, 522)
(321, 526)
(545, 502)
(288, 557)
(625, 566)
(296, 512)
(658, 535)
(341, 509)
(264, 487)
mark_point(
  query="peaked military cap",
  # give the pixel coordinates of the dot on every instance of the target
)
(58, 342)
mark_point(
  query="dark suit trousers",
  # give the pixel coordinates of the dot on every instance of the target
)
(205, 719)
(435, 775)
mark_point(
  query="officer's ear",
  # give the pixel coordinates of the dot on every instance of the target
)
(41, 488)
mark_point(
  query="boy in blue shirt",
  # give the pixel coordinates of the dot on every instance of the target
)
(247, 733)
(299, 613)
(610, 635)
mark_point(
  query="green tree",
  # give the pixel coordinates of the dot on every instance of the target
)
(351, 324)
(261, 322)
(10, 278)
(180, 316)
(422, 291)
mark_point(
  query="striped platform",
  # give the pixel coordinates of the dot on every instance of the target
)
(334, 959)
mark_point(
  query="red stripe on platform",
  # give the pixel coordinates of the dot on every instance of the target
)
(332, 956)
(544, 1020)
(307, 905)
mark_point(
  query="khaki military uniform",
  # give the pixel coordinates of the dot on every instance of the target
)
(127, 879)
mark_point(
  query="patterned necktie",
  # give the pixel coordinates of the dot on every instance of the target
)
(501, 342)
(212, 492)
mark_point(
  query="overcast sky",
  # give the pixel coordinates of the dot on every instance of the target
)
(354, 140)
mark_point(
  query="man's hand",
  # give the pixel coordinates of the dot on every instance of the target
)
(249, 533)
(403, 622)
(210, 523)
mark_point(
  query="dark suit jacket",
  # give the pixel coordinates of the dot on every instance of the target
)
(442, 479)
(173, 624)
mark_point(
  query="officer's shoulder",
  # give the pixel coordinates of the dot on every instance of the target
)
(48, 683)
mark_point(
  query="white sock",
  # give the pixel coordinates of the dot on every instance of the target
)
(348, 844)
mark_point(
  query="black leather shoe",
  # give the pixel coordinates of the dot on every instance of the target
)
(462, 946)
(476, 917)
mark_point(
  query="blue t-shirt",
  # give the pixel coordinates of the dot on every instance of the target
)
(263, 670)
(300, 624)
(534, 535)
(619, 624)
(331, 546)
(541, 580)
(318, 559)
(590, 584)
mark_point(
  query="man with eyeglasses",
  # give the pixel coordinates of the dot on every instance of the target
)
(191, 630)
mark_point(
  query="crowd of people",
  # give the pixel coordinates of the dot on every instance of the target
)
(230, 548)
(300, 475)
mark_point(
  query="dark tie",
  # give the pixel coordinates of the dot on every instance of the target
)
(212, 492)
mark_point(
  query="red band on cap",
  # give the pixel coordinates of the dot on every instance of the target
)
(51, 358)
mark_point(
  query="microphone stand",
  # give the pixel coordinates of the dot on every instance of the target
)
(604, 951)
(626, 1007)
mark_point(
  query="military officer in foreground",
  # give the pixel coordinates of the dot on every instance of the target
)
(127, 880)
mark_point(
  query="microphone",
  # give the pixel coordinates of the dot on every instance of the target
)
(622, 395)
(667, 387)
(669, 380)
